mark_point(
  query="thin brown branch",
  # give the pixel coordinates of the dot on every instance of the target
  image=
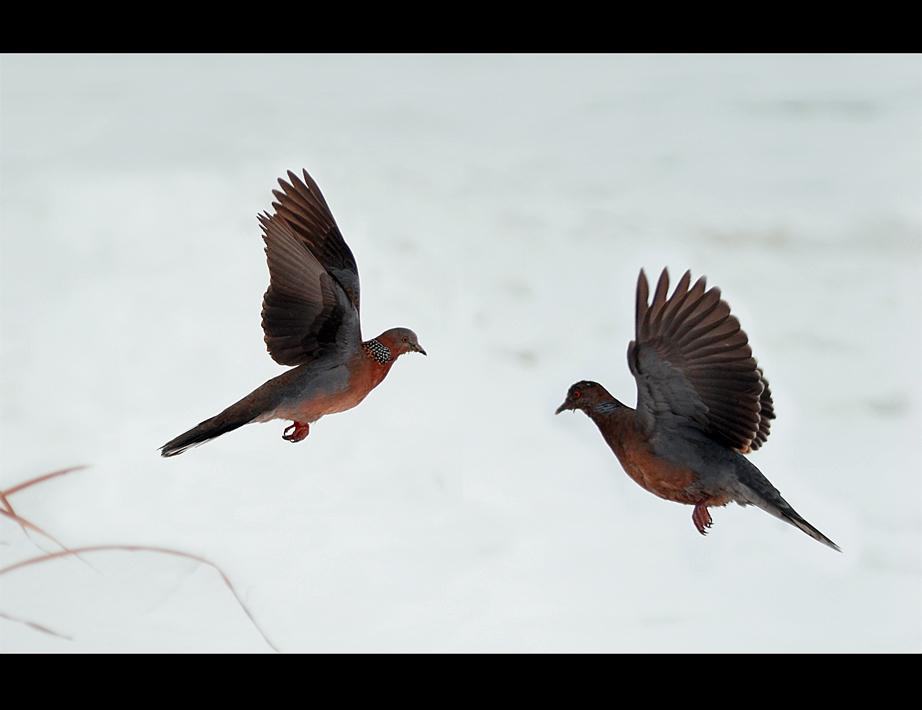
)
(26, 524)
(32, 482)
(33, 625)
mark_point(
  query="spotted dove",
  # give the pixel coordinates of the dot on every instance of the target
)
(702, 402)
(310, 317)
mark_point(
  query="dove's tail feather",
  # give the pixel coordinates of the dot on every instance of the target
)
(767, 497)
(789, 515)
(226, 421)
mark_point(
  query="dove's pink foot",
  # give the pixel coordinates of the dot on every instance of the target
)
(296, 432)
(701, 517)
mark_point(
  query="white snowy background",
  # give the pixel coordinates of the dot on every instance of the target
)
(502, 207)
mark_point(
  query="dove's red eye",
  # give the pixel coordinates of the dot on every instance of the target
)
(404, 338)
(576, 395)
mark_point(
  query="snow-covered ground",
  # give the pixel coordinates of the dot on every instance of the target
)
(502, 207)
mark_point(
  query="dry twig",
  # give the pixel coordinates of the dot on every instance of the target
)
(8, 511)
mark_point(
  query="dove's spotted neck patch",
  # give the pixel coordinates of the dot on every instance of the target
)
(377, 352)
(606, 408)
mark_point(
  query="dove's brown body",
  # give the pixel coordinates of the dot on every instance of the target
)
(649, 471)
